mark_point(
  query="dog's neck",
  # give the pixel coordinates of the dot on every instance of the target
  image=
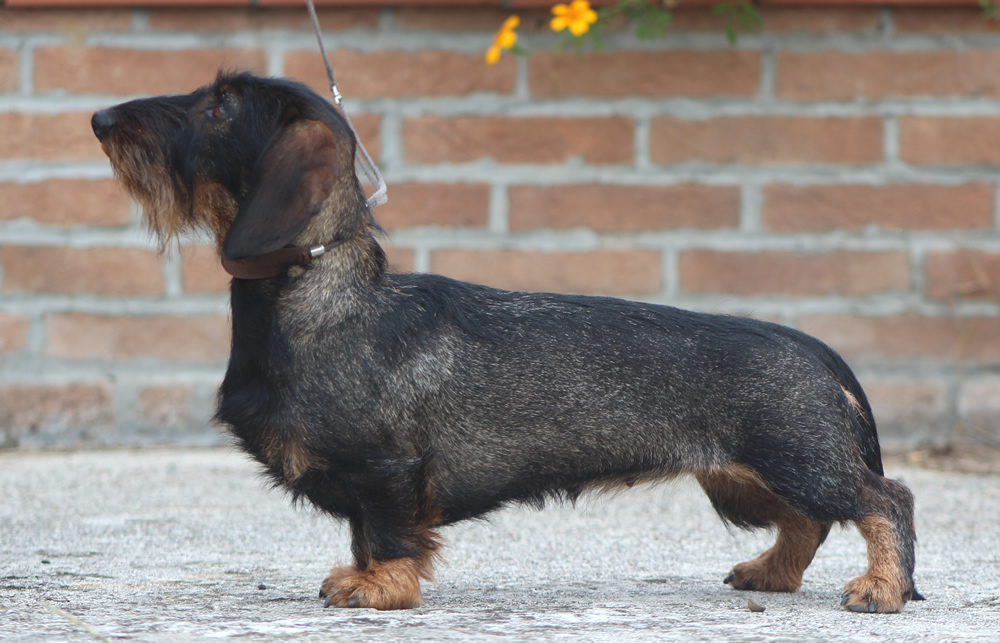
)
(341, 285)
(341, 221)
(276, 262)
(353, 264)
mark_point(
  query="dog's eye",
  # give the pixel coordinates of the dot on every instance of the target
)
(219, 111)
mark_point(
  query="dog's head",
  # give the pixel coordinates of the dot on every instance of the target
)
(253, 160)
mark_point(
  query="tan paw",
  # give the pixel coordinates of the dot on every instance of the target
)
(762, 576)
(872, 594)
(384, 585)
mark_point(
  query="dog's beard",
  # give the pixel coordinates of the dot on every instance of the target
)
(169, 207)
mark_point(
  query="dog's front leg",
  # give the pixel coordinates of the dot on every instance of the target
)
(377, 581)
(391, 537)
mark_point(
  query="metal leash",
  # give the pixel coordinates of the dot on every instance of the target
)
(366, 163)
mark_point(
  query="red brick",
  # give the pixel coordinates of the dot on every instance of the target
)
(545, 4)
(834, 75)
(85, 336)
(367, 127)
(400, 259)
(201, 271)
(766, 140)
(80, 405)
(594, 272)
(826, 19)
(49, 137)
(907, 411)
(74, 271)
(399, 74)
(979, 410)
(897, 398)
(926, 140)
(66, 202)
(908, 337)
(435, 204)
(484, 19)
(108, 70)
(9, 69)
(624, 208)
(436, 139)
(940, 20)
(13, 332)
(815, 208)
(65, 21)
(850, 273)
(166, 405)
(230, 19)
(963, 274)
(652, 74)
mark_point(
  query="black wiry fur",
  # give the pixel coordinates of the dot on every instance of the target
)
(403, 402)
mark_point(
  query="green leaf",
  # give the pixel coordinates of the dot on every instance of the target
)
(652, 22)
(739, 16)
(749, 16)
(731, 34)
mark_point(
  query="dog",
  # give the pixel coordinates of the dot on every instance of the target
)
(406, 402)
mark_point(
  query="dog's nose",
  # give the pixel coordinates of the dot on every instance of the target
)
(103, 123)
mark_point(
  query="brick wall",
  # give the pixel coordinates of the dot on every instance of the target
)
(838, 173)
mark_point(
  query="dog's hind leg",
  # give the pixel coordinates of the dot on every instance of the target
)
(881, 508)
(742, 498)
(887, 527)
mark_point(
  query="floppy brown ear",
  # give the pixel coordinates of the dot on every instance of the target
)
(291, 181)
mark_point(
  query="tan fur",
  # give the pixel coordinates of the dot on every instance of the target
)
(291, 457)
(215, 208)
(616, 486)
(383, 585)
(780, 568)
(150, 185)
(882, 588)
(853, 401)
(735, 474)
(167, 209)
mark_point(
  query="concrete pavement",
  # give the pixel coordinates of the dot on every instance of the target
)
(171, 545)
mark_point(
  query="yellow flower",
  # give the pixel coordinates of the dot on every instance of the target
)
(504, 39)
(577, 15)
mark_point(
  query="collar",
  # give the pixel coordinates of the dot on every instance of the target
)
(276, 262)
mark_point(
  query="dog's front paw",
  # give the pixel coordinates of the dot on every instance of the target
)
(762, 575)
(383, 585)
(873, 594)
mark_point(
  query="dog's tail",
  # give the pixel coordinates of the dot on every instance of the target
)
(862, 420)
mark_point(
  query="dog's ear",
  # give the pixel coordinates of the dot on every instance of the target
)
(288, 186)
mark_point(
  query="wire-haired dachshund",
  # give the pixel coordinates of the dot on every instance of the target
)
(406, 402)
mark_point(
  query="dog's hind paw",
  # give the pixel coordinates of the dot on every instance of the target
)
(383, 585)
(873, 595)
